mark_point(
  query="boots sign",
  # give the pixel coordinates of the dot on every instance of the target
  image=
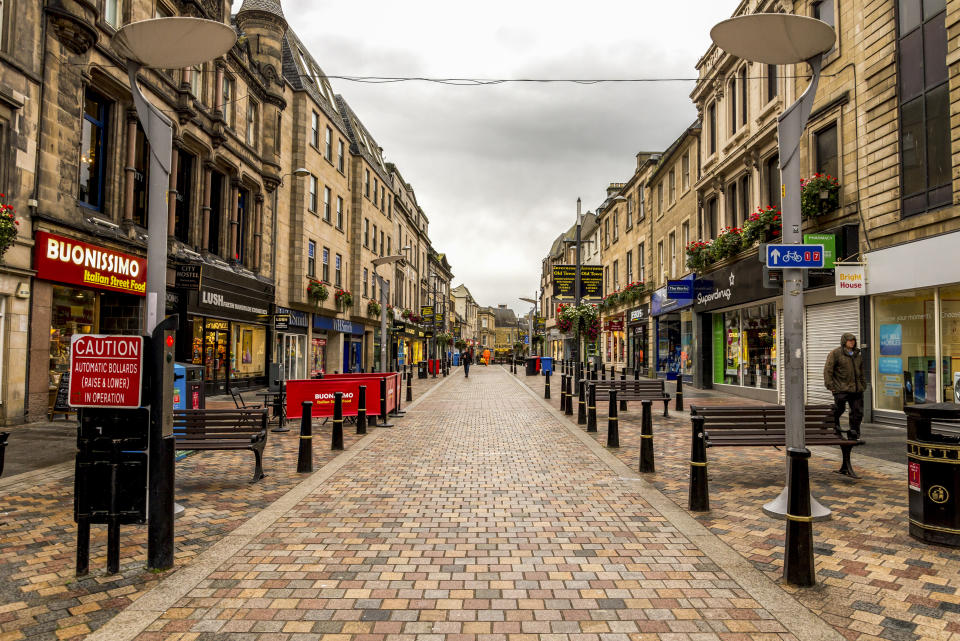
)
(105, 371)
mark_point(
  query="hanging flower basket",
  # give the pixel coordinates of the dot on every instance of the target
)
(343, 298)
(373, 308)
(764, 225)
(632, 292)
(728, 243)
(460, 344)
(9, 226)
(317, 292)
(818, 196)
(699, 255)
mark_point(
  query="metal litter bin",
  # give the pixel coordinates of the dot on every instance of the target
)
(531, 367)
(422, 369)
(546, 365)
(933, 471)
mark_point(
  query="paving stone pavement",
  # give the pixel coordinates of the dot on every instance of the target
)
(41, 599)
(479, 517)
(874, 580)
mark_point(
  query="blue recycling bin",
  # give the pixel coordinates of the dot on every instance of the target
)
(546, 365)
(456, 359)
(188, 387)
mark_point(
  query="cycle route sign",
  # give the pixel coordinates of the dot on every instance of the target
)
(795, 256)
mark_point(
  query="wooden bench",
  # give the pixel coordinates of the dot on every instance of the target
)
(242, 429)
(643, 389)
(765, 426)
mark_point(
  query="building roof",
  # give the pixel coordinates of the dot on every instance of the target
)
(304, 74)
(674, 147)
(361, 140)
(267, 6)
(505, 317)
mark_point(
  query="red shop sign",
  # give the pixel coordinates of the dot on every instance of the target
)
(71, 261)
(615, 326)
(105, 371)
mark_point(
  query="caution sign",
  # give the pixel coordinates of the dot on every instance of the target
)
(105, 371)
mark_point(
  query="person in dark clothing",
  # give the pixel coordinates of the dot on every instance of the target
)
(467, 359)
(843, 375)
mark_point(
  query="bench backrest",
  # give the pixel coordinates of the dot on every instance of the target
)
(219, 424)
(647, 385)
(769, 417)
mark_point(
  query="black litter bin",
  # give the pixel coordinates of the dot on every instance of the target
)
(933, 470)
(532, 366)
(422, 369)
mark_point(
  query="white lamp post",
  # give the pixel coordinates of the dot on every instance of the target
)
(384, 299)
(779, 39)
(165, 43)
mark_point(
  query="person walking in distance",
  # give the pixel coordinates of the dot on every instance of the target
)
(843, 375)
(467, 359)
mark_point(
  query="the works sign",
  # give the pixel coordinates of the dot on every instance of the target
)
(65, 260)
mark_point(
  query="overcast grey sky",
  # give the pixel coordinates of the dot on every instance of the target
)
(498, 169)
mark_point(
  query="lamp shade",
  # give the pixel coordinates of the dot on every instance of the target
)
(774, 38)
(173, 43)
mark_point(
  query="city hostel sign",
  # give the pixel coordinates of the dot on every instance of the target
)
(65, 260)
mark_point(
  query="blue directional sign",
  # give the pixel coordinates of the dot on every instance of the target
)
(795, 256)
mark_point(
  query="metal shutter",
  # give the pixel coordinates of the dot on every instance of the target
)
(823, 327)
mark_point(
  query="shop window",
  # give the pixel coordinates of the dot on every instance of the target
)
(311, 259)
(141, 179)
(248, 354)
(925, 155)
(773, 88)
(905, 336)
(326, 265)
(339, 212)
(950, 343)
(774, 186)
(826, 146)
(217, 183)
(745, 347)
(184, 196)
(93, 149)
(326, 204)
(338, 273)
(74, 311)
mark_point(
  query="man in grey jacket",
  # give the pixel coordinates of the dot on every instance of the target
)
(843, 375)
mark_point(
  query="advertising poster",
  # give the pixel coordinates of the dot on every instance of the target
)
(891, 340)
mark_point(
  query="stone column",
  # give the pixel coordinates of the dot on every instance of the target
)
(205, 209)
(258, 232)
(172, 193)
(218, 87)
(234, 247)
(130, 169)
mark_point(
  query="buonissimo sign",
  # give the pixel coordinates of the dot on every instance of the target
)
(65, 260)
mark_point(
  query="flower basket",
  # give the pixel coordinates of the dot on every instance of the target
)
(632, 292)
(764, 225)
(818, 196)
(317, 292)
(343, 298)
(9, 226)
(699, 255)
(373, 308)
(728, 243)
(444, 339)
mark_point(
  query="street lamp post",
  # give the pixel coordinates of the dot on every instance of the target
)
(777, 39)
(530, 325)
(165, 43)
(384, 300)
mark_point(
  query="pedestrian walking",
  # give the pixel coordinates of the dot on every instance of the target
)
(466, 358)
(843, 375)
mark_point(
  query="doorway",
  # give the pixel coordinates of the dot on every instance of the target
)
(215, 361)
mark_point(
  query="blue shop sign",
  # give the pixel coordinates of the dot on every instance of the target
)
(337, 325)
(661, 304)
(297, 319)
(680, 289)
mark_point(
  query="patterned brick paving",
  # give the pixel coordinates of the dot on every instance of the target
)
(478, 518)
(39, 596)
(874, 581)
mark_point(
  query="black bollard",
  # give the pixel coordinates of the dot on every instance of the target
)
(798, 566)
(603, 373)
(680, 391)
(613, 373)
(581, 403)
(568, 408)
(397, 412)
(593, 375)
(613, 423)
(305, 455)
(646, 438)
(362, 409)
(410, 385)
(698, 494)
(592, 408)
(383, 402)
(3, 446)
(636, 373)
(336, 435)
(623, 391)
(546, 388)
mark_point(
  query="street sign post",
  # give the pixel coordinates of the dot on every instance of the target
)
(795, 256)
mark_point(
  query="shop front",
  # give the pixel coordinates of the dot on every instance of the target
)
(80, 288)
(673, 332)
(638, 336)
(342, 346)
(615, 341)
(227, 327)
(291, 350)
(915, 325)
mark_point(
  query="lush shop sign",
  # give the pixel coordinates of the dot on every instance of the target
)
(65, 260)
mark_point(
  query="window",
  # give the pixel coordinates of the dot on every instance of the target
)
(629, 213)
(374, 239)
(685, 168)
(338, 273)
(278, 142)
(826, 146)
(606, 280)
(712, 127)
(744, 198)
(339, 212)
(326, 204)
(673, 253)
(315, 129)
(389, 243)
(672, 181)
(311, 259)
(823, 10)
(196, 82)
(326, 265)
(642, 212)
(328, 145)
(743, 95)
(773, 88)
(181, 222)
(141, 178)
(381, 243)
(312, 204)
(616, 225)
(732, 205)
(376, 187)
(925, 155)
(93, 149)
(217, 187)
(243, 204)
(253, 122)
(616, 274)
(389, 206)
(111, 12)
(772, 170)
(642, 262)
(365, 274)
(366, 183)
(606, 232)
(373, 287)
(383, 197)
(659, 199)
(340, 153)
(659, 261)
(629, 267)
(228, 94)
(713, 218)
(685, 233)
(732, 102)
(366, 232)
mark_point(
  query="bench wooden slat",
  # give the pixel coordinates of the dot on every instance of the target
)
(223, 429)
